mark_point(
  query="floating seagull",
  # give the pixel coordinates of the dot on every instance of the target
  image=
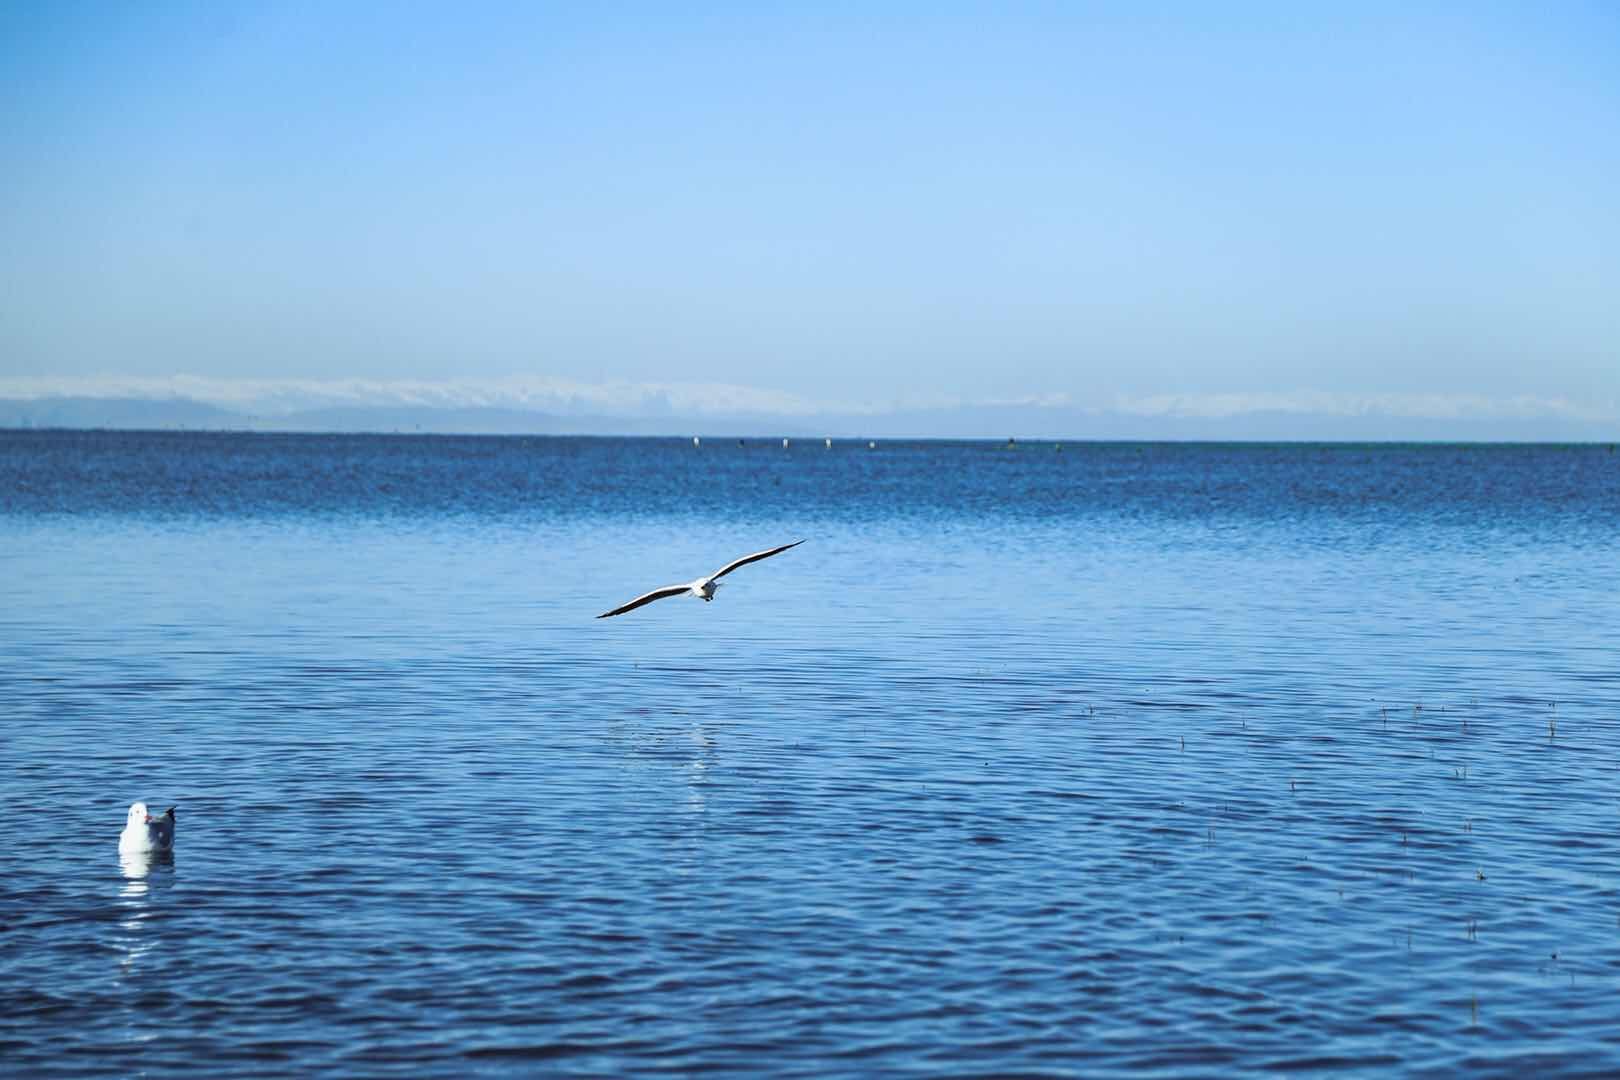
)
(703, 587)
(142, 832)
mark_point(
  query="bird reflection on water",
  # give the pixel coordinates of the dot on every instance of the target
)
(141, 871)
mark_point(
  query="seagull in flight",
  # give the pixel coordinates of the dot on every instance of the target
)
(703, 587)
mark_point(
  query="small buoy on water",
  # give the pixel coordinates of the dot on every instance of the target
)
(871, 445)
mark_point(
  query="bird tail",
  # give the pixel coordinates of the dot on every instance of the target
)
(169, 813)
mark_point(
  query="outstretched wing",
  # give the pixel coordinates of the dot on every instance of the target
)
(646, 598)
(755, 557)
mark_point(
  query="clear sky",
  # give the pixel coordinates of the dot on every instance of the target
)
(850, 204)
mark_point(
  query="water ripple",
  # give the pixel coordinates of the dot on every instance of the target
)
(1321, 782)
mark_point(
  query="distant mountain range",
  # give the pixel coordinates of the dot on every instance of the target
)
(969, 422)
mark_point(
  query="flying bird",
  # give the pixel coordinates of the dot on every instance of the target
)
(143, 832)
(703, 587)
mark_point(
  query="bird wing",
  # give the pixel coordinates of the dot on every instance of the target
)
(647, 598)
(755, 557)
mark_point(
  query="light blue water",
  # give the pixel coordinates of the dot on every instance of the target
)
(1116, 760)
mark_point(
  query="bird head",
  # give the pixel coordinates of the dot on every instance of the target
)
(138, 813)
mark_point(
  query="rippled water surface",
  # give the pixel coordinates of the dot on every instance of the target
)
(1101, 760)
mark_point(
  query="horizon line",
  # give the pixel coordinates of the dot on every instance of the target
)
(269, 399)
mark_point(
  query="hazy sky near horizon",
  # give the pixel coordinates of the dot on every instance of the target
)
(852, 204)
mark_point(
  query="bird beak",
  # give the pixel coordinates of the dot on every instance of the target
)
(149, 819)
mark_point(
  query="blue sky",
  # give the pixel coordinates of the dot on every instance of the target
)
(819, 206)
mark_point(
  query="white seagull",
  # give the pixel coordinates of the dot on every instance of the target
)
(142, 832)
(703, 587)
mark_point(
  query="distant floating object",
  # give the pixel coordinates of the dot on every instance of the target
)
(871, 445)
(696, 441)
(1060, 448)
(740, 442)
(703, 588)
(829, 444)
(784, 444)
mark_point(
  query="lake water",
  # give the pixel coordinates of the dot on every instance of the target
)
(1107, 759)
